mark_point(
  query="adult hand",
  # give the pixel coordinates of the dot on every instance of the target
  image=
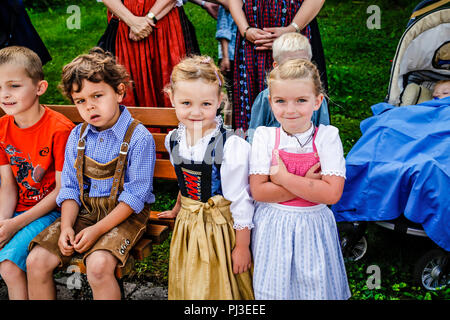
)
(140, 28)
(8, 229)
(275, 32)
(255, 34)
(86, 239)
(66, 241)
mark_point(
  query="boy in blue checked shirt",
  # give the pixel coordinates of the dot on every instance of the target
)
(106, 182)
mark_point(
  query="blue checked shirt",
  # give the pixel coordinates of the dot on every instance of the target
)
(103, 146)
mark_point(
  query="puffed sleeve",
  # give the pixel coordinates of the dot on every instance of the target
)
(167, 144)
(235, 184)
(261, 153)
(330, 150)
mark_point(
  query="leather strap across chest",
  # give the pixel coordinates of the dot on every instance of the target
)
(86, 166)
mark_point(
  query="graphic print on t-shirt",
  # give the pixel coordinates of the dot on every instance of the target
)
(24, 171)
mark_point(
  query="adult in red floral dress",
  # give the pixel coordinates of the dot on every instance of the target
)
(148, 47)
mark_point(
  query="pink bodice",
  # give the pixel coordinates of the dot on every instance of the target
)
(298, 164)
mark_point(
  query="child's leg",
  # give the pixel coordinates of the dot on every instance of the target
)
(40, 266)
(14, 254)
(16, 280)
(100, 267)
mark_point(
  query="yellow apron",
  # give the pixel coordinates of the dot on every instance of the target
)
(200, 265)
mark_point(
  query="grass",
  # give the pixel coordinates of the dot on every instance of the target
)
(358, 67)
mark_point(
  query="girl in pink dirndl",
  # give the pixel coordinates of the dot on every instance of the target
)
(295, 244)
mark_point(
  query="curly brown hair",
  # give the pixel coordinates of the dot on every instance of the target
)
(95, 66)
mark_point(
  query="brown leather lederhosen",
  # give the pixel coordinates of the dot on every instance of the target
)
(120, 239)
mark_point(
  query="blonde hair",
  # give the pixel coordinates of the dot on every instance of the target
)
(297, 69)
(290, 42)
(195, 67)
(24, 57)
(95, 66)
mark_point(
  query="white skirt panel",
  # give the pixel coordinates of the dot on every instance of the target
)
(297, 254)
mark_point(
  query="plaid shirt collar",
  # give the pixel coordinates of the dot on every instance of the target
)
(118, 129)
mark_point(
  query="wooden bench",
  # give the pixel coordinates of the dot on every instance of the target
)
(157, 229)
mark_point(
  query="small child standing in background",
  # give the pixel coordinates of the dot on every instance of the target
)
(226, 35)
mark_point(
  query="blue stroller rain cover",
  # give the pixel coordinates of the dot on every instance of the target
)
(401, 164)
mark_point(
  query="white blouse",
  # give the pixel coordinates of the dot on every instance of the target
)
(233, 171)
(328, 145)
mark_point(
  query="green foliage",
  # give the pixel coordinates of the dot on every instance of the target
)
(155, 268)
(359, 59)
(349, 131)
(65, 44)
(48, 5)
(205, 29)
(395, 255)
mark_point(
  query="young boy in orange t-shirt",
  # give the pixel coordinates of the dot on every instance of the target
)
(32, 145)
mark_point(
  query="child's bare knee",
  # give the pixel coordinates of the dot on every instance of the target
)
(100, 265)
(9, 270)
(40, 260)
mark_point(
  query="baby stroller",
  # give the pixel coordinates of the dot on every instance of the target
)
(422, 58)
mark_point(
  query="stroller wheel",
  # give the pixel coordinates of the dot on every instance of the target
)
(431, 270)
(355, 252)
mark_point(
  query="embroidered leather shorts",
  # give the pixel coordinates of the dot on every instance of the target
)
(118, 241)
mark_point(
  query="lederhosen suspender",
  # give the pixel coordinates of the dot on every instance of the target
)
(83, 163)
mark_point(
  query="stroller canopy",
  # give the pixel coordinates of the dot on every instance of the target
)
(423, 49)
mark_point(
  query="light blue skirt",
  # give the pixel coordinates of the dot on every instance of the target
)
(16, 250)
(297, 254)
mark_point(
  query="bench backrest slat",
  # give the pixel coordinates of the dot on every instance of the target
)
(150, 117)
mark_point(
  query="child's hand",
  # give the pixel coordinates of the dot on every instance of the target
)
(8, 229)
(242, 259)
(168, 214)
(314, 172)
(66, 240)
(212, 9)
(278, 170)
(86, 239)
(225, 65)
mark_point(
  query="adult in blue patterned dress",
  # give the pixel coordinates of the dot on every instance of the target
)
(259, 23)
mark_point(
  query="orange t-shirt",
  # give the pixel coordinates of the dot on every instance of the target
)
(34, 153)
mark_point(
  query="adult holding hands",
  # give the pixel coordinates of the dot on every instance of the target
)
(149, 44)
(259, 23)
